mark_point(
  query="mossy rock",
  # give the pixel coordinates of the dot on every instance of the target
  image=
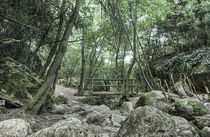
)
(156, 99)
(61, 100)
(148, 121)
(3, 109)
(201, 75)
(195, 64)
(18, 83)
(147, 99)
(89, 100)
(189, 108)
(181, 88)
(202, 121)
(205, 132)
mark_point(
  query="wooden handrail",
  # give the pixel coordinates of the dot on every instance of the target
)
(108, 79)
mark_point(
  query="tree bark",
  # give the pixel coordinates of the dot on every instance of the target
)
(82, 78)
(54, 47)
(134, 20)
(39, 99)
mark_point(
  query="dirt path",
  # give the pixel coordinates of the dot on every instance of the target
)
(66, 92)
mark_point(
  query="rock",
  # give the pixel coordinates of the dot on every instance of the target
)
(147, 99)
(116, 120)
(95, 118)
(190, 107)
(148, 121)
(110, 129)
(2, 106)
(124, 112)
(3, 109)
(127, 105)
(154, 98)
(2, 103)
(75, 109)
(101, 108)
(201, 75)
(195, 64)
(89, 100)
(184, 128)
(202, 121)
(150, 98)
(61, 100)
(17, 82)
(71, 127)
(205, 132)
(14, 128)
(180, 88)
(59, 109)
(207, 105)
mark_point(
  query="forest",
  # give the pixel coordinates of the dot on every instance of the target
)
(105, 68)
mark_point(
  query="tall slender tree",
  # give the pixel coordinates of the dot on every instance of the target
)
(47, 88)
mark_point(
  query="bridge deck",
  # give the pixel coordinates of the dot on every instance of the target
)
(100, 93)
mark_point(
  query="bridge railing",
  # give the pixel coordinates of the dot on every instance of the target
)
(109, 83)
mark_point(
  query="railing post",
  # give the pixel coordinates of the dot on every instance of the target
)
(91, 86)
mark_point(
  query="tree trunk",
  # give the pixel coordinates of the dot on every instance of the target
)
(82, 78)
(54, 47)
(39, 99)
(134, 20)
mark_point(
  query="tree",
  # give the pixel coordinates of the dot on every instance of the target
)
(46, 89)
(82, 75)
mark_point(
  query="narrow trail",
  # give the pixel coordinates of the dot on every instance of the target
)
(66, 92)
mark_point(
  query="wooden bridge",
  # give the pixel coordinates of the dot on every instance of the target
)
(119, 85)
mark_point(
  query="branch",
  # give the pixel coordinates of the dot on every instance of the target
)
(28, 26)
(60, 41)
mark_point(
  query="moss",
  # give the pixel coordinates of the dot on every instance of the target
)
(178, 86)
(147, 99)
(183, 63)
(89, 100)
(61, 100)
(202, 68)
(190, 107)
(18, 81)
(3, 110)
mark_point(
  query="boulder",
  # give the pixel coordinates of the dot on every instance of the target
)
(154, 98)
(127, 105)
(207, 105)
(202, 121)
(101, 108)
(116, 120)
(17, 82)
(147, 99)
(71, 127)
(14, 128)
(59, 109)
(195, 64)
(201, 75)
(148, 121)
(190, 107)
(61, 100)
(95, 118)
(90, 100)
(181, 88)
(2, 106)
(2, 103)
(3, 109)
(205, 132)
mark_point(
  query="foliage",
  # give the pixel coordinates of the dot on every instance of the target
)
(121, 39)
(182, 63)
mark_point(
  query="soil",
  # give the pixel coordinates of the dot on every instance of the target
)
(66, 92)
(44, 120)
